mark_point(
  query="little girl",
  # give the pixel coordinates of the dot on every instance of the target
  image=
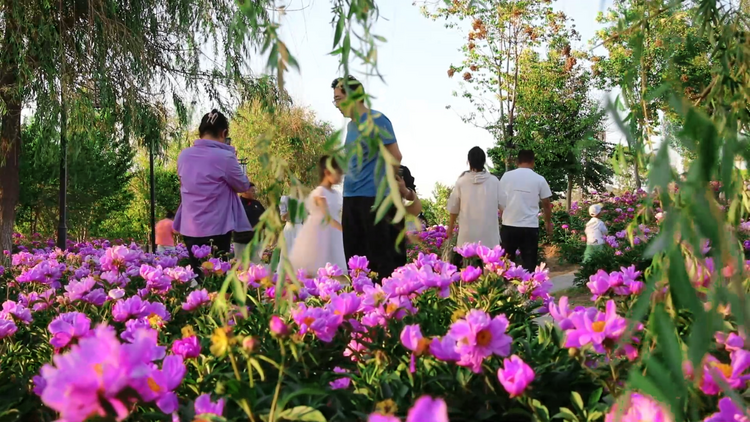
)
(320, 240)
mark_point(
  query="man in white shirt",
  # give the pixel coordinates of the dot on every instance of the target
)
(475, 202)
(521, 191)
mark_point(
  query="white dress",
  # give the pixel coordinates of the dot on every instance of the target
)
(317, 242)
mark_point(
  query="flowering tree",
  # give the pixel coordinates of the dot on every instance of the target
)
(501, 32)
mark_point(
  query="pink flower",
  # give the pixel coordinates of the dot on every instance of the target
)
(278, 327)
(515, 376)
(599, 284)
(341, 383)
(411, 338)
(479, 337)
(638, 408)
(427, 409)
(444, 349)
(728, 412)
(7, 328)
(188, 347)
(196, 299)
(733, 374)
(204, 406)
(596, 328)
(68, 327)
(470, 274)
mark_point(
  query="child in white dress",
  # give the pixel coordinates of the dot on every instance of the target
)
(320, 240)
(291, 226)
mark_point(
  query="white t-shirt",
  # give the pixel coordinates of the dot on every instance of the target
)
(595, 231)
(521, 190)
(476, 200)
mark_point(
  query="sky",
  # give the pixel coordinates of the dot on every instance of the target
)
(414, 61)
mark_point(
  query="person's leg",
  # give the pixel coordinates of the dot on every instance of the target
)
(529, 248)
(354, 227)
(195, 263)
(509, 239)
(160, 249)
(381, 236)
(222, 244)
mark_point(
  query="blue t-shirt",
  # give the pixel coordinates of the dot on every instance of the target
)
(360, 179)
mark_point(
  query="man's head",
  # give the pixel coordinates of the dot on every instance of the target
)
(525, 158)
(347, 94)
(477, 159)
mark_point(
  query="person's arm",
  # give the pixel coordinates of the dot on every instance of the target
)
(235, 177)
(454, 207)
(415, 207)
(501, 200)
(320, 201)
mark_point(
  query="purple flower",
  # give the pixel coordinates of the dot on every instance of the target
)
(188, 347)
(204, 406)
(196, 299)
(160, 384)
(96, 297)
(345, 304)
(638, 408)
(479, 337)
(469, 250)
(7, 328)
(201, 252)
(427, 409)
(321, 322)
(561, 313)
(341, 383)
(358, 265)
(444, 349)
(411, 338)
(515, 376)
(68, 327)
(599, 284)
(278, 327)
(13, 310)
(733, 374)
(470, 274)
(133, 307)
(596, 328)
(728, 412)
(377, 417)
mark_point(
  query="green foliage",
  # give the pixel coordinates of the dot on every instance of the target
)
(435, 209)
(98, 176)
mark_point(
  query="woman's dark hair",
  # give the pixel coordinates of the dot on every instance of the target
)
(213, 123)
(408, 178)
(170, 215)
(477, 159)
(327, 162)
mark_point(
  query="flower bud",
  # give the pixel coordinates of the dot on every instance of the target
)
(250, 344)
(278, 327)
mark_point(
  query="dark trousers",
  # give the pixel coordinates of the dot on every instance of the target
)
(523, 239)
(377, 242)
(221, 244)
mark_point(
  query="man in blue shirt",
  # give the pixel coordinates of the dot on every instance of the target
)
(362, 236)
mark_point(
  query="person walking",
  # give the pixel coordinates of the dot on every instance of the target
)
(253, 209)
(210, 179)
(595, 232)
(165, 233)
(320, 240)
(522, 190)
(475, 203)
(362, 235)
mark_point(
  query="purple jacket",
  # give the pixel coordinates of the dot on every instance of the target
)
(210, 178)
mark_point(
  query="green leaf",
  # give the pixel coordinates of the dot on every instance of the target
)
(577, 400)
(594, 398)
(302, 413)
(566, 414)
(304, 391)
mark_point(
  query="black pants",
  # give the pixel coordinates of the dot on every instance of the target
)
(377, 242)
(221, 244)
(523, 239)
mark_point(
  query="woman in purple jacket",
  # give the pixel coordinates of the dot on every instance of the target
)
(210, 178)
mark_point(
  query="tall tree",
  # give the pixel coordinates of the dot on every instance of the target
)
(673, 53)
(558, 119)
(118, 57)
(501, 31)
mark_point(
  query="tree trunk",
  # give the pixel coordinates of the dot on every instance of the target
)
(10, 145)
(636, 173)
(10, 133)
(569, 194)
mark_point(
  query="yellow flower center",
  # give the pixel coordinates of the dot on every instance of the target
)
(423, 346)
(379, 297)
(386, 407)
(484, 338)
(187, 331)
(308, 321)
(99, 369)
(391, 308)
(598, 326)
(724, 368)
(208, 265)
(153, 385)
(155, 321)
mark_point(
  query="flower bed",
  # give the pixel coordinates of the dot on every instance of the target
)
(113, 332)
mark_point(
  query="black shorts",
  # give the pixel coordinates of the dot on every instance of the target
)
(377, 242)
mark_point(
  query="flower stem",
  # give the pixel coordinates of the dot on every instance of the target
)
(271, 416)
